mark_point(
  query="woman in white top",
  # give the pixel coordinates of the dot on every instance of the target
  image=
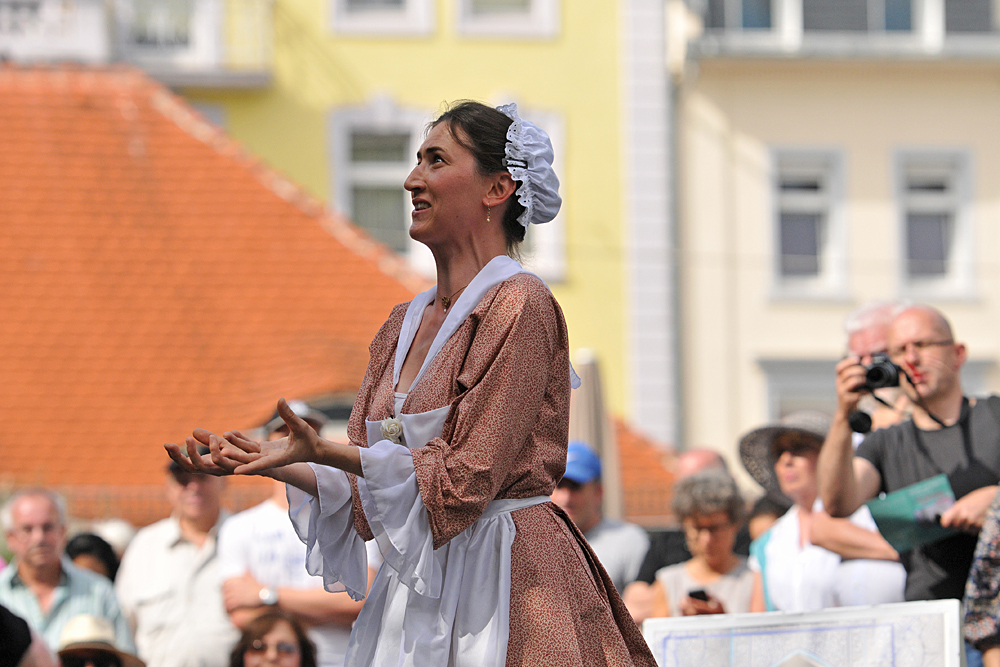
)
(808, 560)
(714, 580)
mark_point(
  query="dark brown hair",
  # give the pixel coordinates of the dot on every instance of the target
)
(260, 626)
(482, 130)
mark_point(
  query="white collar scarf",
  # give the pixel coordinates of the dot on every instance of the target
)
(496, 271)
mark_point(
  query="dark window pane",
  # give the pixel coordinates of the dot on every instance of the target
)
(927, 184)
(715, 14)
(800, 239)
(899, 15)
(927, 243)
(967, 16)
(756, 13)
(835, 15)
(381, 212)
(373, 147)
(353, 5)
(480, 7)
(800, 184)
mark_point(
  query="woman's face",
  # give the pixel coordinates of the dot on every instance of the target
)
(711, 537)
(447, 190)
(796, 471)
(278, 647)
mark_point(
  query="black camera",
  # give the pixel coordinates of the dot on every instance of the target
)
(881, 373)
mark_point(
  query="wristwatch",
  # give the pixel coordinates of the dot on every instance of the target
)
(268, 596)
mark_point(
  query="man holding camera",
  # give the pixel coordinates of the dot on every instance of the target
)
(948, 434)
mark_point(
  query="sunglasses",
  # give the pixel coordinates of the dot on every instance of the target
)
(794, 450)
(283, 648)
(94, 660)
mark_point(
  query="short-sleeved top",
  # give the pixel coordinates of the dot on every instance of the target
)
(904, 455)
(620, 547)
(733, 589)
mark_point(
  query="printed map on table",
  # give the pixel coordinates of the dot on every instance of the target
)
(910, 634)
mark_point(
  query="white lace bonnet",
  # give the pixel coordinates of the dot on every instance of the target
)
(529, 160)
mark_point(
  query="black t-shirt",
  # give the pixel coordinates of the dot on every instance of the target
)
(15, 638)
(904, 455)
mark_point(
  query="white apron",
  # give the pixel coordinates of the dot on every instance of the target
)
(449, 606)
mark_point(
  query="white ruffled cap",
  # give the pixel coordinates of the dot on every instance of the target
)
(529, 161)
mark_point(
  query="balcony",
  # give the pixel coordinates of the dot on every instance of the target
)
(183, 43)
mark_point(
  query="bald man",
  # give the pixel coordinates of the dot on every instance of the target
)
(948, 434)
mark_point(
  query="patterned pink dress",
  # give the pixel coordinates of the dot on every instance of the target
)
(504, 372)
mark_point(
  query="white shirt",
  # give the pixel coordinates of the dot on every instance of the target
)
(262, 541)
(171, 591)
(810, 578)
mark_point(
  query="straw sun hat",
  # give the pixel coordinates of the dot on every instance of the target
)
(84, 635)
(756, 446)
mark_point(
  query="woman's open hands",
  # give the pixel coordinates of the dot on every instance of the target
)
(301, 444)
(219, 459)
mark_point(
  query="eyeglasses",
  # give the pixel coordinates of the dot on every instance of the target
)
(283, 648)
(918, 346)
(96, 659)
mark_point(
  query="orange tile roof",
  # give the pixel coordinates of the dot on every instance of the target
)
(155, 278)
(646, 479)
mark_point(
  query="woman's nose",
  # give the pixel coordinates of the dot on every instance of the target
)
(412, 182)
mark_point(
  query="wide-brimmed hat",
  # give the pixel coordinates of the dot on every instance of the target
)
(757, 446)
(83, 634)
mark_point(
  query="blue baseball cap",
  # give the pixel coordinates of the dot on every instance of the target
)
(582, 463)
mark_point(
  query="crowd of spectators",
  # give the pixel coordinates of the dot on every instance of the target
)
(202, 588)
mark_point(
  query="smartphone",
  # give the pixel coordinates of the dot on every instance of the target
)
(698, 594)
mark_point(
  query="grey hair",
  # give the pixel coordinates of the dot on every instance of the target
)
(7, 511)
(708, 492)
(873, 313)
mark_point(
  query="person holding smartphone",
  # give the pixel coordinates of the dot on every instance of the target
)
(715, 580)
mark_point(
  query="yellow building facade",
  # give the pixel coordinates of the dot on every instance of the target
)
(354, 83)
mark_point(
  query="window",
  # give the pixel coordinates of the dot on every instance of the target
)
(794, 384)
(749, 14)
(968, 16)
(857, 15)
(808, 234)
(173, 33)
(509, 18)
(936, 244)
(373, 150)
(383, 17)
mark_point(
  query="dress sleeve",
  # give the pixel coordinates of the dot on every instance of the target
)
(513, 385)
(325, 524)
(982, 591)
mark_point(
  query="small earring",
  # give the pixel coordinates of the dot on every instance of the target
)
(487, 215)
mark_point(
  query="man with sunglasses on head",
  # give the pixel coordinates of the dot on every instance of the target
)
(169, 583)
(948, 434)
(41, 585)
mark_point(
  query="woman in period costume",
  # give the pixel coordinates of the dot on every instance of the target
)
(458, 436)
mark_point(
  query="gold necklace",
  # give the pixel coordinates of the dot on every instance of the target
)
(446, 300)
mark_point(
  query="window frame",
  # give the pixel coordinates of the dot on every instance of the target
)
(959, 281)
(379, 116)
(415, 18)
(541, 21)
(831, 281)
